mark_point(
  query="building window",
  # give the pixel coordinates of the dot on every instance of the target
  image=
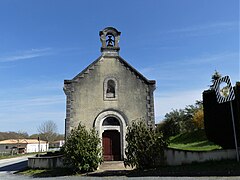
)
(111, 121)
(6, 147)
(110, 89)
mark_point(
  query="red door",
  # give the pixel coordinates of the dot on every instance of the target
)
(111, 145)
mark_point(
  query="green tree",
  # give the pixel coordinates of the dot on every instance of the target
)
(145, 147)
(187, 124)
(198, 118)
(216, 75)
(180, 121)
(170, 126)
(13, 135)
(82, 152)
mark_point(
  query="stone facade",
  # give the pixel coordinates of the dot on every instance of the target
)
(109, 88)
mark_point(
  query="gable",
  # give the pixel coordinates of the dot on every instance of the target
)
(91, 67)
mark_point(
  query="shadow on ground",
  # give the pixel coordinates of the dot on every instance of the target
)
(211, 168)
(15, 167)
(159, 173)
(38, 173)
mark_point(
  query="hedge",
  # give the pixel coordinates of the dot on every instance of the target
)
(218, 119)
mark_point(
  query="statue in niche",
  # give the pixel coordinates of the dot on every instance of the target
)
(110, 41)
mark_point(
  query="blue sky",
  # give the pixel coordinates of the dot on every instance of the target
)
(177, 43)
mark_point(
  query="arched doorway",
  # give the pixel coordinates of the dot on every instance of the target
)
(111, 127)
(111, 140)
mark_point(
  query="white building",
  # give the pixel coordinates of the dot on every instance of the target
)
(23, 145)
(56, 144)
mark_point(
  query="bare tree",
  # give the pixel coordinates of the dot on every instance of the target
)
(48, 131)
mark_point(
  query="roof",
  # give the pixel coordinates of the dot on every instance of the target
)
(121, 60)
(21, 141)
(58, 141)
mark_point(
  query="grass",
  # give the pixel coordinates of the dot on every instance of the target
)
(10, 156)
(15, 155)
(193, 141)
(46, 172)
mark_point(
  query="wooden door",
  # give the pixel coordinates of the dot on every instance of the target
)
(111, 145)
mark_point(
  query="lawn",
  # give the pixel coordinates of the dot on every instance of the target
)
(193, 141)
(46, 172)
(12, 156)
(17, 155)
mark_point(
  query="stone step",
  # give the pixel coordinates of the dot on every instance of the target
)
(113, 165)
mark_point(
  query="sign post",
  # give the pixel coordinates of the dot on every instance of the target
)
(234, 131)
(225, 93)
(39, 144)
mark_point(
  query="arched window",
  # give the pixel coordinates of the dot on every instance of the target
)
(110, 89)
(111, 121)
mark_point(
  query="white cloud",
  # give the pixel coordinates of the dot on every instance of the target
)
(31, 102)
(179, 69)
(27, 114)
(29, 120)
(212, 58)
(202, 29)
(29, 54)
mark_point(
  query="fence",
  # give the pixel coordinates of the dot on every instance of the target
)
(7, 153)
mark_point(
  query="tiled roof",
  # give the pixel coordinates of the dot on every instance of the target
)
(21, 141)
(58, 141)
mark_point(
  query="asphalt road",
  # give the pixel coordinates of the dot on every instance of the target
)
(9, 166)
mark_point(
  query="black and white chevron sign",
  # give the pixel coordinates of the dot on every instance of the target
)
(226, 93)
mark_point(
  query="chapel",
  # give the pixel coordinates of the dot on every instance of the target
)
(108, 95)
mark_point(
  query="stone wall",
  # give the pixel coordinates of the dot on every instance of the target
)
(172, 157)
(179, 157)
(49, 162)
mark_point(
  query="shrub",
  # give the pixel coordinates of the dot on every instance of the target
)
(145, 148)
(82, 152)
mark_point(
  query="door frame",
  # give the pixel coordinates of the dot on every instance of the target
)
(121, 129)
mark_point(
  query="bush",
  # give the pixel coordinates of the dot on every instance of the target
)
(145, 148)
(82, 152)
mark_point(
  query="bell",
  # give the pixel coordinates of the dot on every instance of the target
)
(110, 41)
